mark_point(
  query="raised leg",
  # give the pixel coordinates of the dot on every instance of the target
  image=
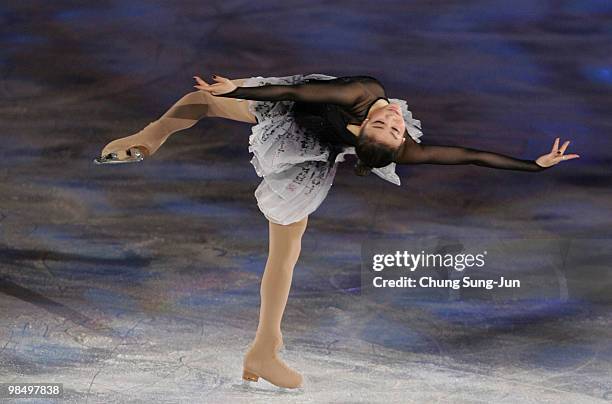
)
(185, 113)
(261, 359)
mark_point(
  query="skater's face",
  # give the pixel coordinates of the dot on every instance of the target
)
(386, 125)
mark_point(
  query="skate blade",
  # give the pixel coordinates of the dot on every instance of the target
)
(268, 388)
(111, 158)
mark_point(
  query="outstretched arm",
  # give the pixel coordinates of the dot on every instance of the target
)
(417, 153)
(333, 91)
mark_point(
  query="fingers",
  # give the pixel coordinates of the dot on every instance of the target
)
(203, 85)
(568, 157)
(559, 158)
(557, 153)
(555, 146)
(208, 87)
(220, 79)
(200, 81)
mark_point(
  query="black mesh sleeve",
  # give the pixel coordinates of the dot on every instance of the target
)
(332, 91)
(418, 153)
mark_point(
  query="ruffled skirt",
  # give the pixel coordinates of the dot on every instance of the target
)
(295, 168)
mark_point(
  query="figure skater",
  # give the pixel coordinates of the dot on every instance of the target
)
(303, 126)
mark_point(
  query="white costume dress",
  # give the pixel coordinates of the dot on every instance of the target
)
(296, 174)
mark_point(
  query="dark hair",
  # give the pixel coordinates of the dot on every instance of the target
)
(372, 154)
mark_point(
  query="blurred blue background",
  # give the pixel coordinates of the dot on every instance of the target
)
(146, 276)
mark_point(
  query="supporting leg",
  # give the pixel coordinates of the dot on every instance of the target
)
(261, 360)
(184, 114)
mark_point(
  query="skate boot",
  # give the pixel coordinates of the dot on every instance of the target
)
(134, 148)
(261, 361)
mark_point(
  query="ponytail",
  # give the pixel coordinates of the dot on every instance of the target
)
(362, 169)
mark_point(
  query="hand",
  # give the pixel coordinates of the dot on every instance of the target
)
(556, 155)
(222, 85)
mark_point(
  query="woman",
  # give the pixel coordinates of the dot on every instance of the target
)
(304, 126)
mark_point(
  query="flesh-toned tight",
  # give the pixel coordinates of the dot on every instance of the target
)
(185, 113)
(285, 244)
(284, 240)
